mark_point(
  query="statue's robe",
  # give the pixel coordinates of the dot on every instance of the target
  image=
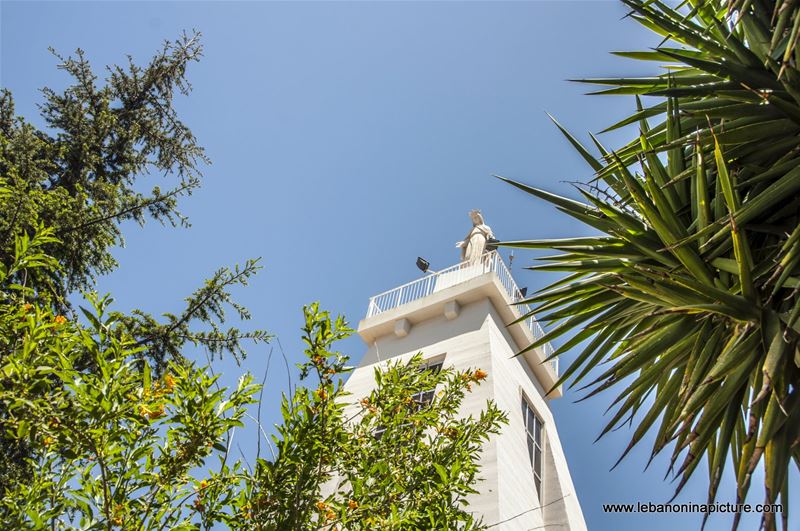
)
(475, 243)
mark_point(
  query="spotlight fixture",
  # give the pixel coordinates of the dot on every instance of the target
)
(423, 264)
(491, 244)
(523, 292)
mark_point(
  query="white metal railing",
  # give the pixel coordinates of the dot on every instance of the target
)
(491, 262)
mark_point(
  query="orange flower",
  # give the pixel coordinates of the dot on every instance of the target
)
(352, 505)
(450, 433)
(364, 402)
(157, 411)
(200, 489)
(321, 393)
(47, 441)
(322, 506)
(480, 375)
(330, 515)
(169, 381)
(59, 320)
(27, 307)
(119, 512)
(151, 412)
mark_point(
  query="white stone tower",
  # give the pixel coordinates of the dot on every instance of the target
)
(460, 317)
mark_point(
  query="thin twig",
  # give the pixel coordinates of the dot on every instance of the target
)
(288, 371)
(260, 399)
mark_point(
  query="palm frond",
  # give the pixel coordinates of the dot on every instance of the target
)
(691, 293)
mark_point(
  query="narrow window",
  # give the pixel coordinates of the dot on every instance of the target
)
(533, 434)
(422, 398)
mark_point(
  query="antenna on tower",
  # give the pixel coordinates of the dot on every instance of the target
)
(511, 260)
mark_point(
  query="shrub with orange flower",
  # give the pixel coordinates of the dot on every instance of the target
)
(169, 382)
(151, 412)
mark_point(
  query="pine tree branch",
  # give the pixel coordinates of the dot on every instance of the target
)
(189, 185)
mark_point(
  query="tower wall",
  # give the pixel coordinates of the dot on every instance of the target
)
(465, 343)
(512, 381)
(478, 338)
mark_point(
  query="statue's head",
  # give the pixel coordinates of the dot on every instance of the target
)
(477, 217)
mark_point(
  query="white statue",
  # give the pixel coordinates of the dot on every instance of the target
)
(474, 245)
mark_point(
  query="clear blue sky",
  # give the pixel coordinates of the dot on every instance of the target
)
(348, 138)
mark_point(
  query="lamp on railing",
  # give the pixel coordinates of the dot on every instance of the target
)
(491, 244)
(523, 292)
(424, 265)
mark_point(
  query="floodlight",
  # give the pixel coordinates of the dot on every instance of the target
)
(423, 264)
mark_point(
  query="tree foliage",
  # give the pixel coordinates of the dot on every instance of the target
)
(690, 295)
(392, 462)
(104, 420)
(112, 446)
(80, 177)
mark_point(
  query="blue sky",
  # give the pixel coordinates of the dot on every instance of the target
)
(348, 138)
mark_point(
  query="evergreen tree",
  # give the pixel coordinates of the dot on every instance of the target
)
(78, 178)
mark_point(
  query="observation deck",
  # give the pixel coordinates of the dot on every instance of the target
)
(444, 292)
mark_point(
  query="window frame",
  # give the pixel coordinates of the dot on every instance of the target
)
(534, 439)
(425, 397)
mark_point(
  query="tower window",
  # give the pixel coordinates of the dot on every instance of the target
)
(533, 434)
(421, 398)
(424, 398)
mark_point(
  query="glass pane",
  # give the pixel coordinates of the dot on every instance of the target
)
(426, 397)
(530, 448)
(524, 413)
(531, 420)
(537, 432)
(537, 460)
(538, 482)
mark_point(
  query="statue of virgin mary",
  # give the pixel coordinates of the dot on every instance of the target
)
(474, 245)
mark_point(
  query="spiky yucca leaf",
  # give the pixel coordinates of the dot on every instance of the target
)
(692, 296)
